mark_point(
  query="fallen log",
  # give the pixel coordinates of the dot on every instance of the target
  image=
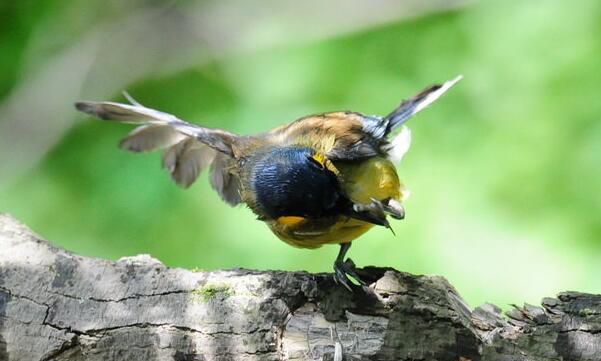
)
(55, 305)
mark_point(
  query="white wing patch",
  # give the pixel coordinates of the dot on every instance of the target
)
(399, 145)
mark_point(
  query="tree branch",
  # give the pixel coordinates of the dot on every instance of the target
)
(58, 306)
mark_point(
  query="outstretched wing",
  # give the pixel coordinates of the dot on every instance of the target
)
(187, 148)
(347, 136)
(136, 113)
(412, 106)
(382, 127)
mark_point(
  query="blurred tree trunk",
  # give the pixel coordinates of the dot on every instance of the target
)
(58, 306)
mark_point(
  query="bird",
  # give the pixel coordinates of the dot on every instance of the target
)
(325, 178)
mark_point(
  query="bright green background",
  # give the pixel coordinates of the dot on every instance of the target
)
(504, 170)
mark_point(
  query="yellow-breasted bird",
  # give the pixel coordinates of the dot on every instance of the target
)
(324, 178)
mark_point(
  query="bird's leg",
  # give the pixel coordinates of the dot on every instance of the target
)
(344, 268)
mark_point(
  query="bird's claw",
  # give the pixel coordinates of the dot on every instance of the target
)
(342, 271)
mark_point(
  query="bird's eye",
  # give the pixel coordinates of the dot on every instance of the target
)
(315, 162)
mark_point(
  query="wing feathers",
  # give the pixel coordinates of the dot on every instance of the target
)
(217, 139)
(224, 182)
(188, 148)
(126, 113)
(147, 138)
(409, 107)
(186, 160)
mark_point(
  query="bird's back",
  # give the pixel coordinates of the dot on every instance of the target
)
(338, 135)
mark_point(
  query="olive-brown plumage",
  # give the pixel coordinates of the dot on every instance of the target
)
(324, 178)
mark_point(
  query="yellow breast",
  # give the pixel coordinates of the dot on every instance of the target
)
(372, 178)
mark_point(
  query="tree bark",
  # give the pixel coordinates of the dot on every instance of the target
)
(58, 306)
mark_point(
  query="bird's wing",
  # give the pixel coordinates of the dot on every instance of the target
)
(413, 105)
(353, 136)
(187, 148)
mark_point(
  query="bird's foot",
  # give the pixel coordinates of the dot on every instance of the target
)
(342, 271)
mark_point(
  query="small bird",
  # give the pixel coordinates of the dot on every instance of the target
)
(322, 179)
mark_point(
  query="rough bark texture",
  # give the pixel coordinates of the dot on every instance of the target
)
(58, 306)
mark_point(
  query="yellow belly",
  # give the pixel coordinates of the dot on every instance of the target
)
(313, 233)
(373, 178)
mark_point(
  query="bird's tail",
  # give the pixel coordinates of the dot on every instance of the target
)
(411, 106)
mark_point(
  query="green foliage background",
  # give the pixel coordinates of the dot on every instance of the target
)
(504, 170)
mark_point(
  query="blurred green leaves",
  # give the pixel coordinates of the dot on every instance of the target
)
(504, 170)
